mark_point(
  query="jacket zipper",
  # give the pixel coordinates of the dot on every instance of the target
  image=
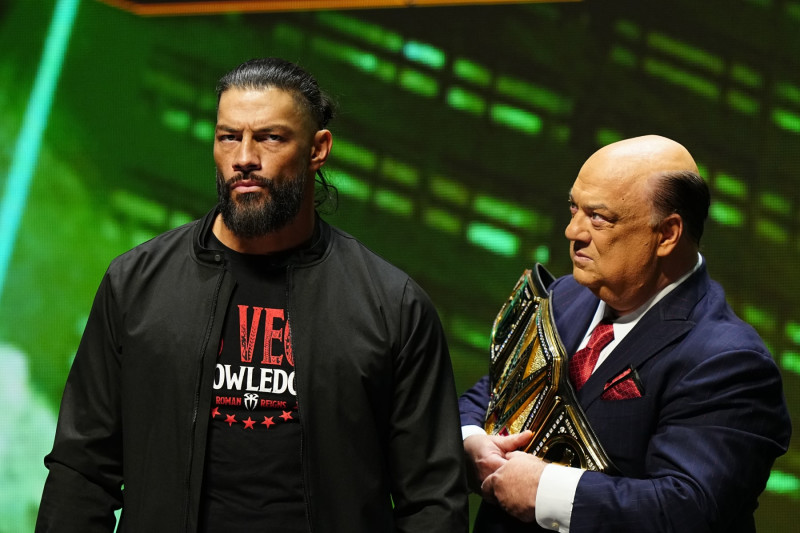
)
(196, 404)
(303, 465)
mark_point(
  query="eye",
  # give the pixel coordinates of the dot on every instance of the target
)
(573, 208)
(226, 137)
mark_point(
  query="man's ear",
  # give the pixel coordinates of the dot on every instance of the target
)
(670, 230)
(320, 148)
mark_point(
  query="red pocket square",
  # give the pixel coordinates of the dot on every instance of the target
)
(625, 386)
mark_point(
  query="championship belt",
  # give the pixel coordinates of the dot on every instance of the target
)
(529, 377)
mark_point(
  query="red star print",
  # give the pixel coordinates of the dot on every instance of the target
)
(287, 415)
(214, 412)
(230, 419)
(268, 421)
(248, 424)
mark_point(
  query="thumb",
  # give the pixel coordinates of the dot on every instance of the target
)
(516, 441)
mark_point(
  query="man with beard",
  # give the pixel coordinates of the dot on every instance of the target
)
(258, 369)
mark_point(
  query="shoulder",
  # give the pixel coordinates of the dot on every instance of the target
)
(156, 253)
(565, 291)
(351, 253)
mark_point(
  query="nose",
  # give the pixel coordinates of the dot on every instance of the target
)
(575, 230)
(246, 157)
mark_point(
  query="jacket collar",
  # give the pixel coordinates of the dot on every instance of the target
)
(315, 250)
(665, 322)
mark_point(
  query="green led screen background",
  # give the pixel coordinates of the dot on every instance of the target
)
(460, 130)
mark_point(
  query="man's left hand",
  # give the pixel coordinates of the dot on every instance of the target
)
(515, 483)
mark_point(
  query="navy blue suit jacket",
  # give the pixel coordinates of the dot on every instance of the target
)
(696, 449)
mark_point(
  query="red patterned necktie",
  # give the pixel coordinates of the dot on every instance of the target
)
(583, 362)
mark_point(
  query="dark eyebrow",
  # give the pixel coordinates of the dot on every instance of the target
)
(223, 127)
(266, 129)
(590, 207)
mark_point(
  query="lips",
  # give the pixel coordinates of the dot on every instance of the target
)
(249, 185)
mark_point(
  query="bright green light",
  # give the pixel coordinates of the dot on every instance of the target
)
(372, 34)
(442, 220)
(746, 76)
(791, 361)
(492, 238)
(505, 211)
(686, 52)
(743, 102)
(354, 154)
(541, 254)
(400, 172)
(419, 83)
(683, 78)
(730, 185)
(364, 61)
(726, 214)
(516, 118)
(449, 190)
(534, 95)
(352, 186)
(759, 318)
(34, 122)
(464, 100)
(203, 130)
(793, 332)
(786, 120)
(176, 119)
(394, 202)
(471, 71)
(424, 53)
(784, 483)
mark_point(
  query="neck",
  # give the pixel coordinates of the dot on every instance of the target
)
(670, 270)
(295, 233)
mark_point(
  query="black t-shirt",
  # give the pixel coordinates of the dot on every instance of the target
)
(253, 479)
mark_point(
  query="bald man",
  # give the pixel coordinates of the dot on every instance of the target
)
(686, 399)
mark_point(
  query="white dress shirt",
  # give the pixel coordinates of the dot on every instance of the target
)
(557, 486)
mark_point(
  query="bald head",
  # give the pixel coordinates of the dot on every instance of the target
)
(638, 208)
(665, 171)
(645, 157)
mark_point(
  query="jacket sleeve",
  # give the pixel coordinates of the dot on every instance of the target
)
(472, 404)
(425, 451)
(84, 484)
(719, 431)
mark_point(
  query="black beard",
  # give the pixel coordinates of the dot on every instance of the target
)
(256, 214)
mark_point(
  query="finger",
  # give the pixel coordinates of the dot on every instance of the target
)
(515, 442)
(487, 489)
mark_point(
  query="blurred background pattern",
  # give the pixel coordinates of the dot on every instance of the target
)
(461, 129)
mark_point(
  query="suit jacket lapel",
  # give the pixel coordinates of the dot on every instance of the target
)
(663, 324)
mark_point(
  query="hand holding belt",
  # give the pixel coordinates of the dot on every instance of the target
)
(529, 379)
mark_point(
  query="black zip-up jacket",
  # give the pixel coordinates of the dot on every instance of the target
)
(381, 446)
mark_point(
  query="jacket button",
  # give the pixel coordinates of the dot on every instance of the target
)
(217, 257)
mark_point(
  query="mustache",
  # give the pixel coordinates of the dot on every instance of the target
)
(252, 178)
